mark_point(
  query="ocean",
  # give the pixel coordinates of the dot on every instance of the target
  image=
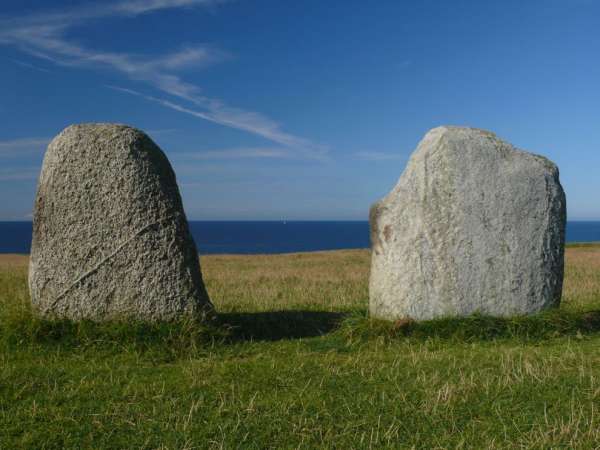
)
(213, 237)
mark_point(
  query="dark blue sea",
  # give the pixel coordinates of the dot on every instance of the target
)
(271, 237)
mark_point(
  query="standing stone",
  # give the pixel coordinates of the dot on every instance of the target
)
(110, 237)
(473, 226)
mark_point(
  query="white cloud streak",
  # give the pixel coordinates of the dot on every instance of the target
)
(24, 146)
(44, 36)
(52, 22)
(30, 66)
(378, 156)
(143, 6)
(243, 120)
(242, 153)
(19, 174)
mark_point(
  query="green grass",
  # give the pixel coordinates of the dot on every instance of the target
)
(293, 362)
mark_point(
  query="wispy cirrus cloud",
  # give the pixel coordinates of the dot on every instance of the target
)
(242, 153)
(378, 156)
(158, 131)
(46, 22)
(29, 173)
(45, 35)
(23, 146)
(243, 120)
(30, 66)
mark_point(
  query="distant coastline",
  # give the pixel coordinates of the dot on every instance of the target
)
(272, 237)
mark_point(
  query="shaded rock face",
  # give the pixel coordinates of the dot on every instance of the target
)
(472, 226)
(110, 237)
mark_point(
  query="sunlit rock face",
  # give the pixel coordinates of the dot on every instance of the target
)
(110, 237)
(472, 226)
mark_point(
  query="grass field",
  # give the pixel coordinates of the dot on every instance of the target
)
(295, 363)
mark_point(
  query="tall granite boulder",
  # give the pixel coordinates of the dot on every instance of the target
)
(472, 226)
(110, 237)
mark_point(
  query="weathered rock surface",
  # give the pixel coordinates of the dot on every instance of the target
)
(110, 237)
(473, 226)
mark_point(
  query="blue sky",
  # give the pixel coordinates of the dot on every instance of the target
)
(300, 110)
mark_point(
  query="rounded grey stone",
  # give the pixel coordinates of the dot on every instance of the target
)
(472, 226)
(110, 237)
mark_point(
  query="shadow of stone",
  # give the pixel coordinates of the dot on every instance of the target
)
(551, 324)
(278, 325)
(547, 325)
(590, 321)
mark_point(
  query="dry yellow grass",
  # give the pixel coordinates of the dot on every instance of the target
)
(13, 261)
(326, 281)
(582, 276)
